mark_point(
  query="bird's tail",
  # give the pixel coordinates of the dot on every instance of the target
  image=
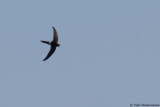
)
(47, 42)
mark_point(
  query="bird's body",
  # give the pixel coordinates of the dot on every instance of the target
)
(54, 43)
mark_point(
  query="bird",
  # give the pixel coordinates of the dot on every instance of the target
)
(53, 44)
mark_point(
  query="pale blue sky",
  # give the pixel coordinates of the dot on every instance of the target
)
(109, 54)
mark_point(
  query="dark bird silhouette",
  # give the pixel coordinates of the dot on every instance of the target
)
(54, 43)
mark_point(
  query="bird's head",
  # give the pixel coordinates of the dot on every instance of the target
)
(57, 44)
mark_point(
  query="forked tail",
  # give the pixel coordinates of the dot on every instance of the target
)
(47, 42)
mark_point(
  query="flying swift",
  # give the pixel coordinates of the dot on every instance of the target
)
(54, 43)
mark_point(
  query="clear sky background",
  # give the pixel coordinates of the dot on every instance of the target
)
(109, 54)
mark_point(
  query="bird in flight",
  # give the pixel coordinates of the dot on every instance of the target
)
(54, 43)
